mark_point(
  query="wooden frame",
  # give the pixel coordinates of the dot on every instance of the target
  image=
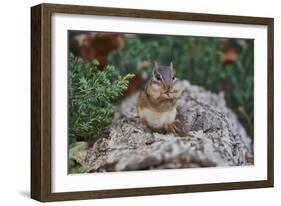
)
(41, 101)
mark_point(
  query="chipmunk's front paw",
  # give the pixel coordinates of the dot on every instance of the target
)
(171, 128)
(138, 121)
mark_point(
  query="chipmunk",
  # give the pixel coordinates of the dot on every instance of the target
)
(157, 103)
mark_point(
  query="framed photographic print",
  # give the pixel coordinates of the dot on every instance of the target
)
(130, 102)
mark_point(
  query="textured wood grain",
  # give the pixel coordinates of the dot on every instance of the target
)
(36, 170)
(209, 135)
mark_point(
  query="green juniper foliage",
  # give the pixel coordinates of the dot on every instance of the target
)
(92, 94)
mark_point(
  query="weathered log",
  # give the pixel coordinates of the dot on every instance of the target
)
(210, 135)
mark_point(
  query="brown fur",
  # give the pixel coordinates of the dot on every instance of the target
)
(157, 105)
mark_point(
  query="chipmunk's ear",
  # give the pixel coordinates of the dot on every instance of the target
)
(155, 68)
(172, 68)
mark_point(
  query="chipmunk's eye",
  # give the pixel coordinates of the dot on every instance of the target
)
(173, 78)
(158, 77)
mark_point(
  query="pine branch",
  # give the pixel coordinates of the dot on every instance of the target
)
(91, 96)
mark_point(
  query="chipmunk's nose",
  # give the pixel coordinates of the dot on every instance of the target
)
(168, 87)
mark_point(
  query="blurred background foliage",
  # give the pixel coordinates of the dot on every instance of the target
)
(222, 65)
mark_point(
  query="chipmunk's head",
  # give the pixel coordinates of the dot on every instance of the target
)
(163, 76)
